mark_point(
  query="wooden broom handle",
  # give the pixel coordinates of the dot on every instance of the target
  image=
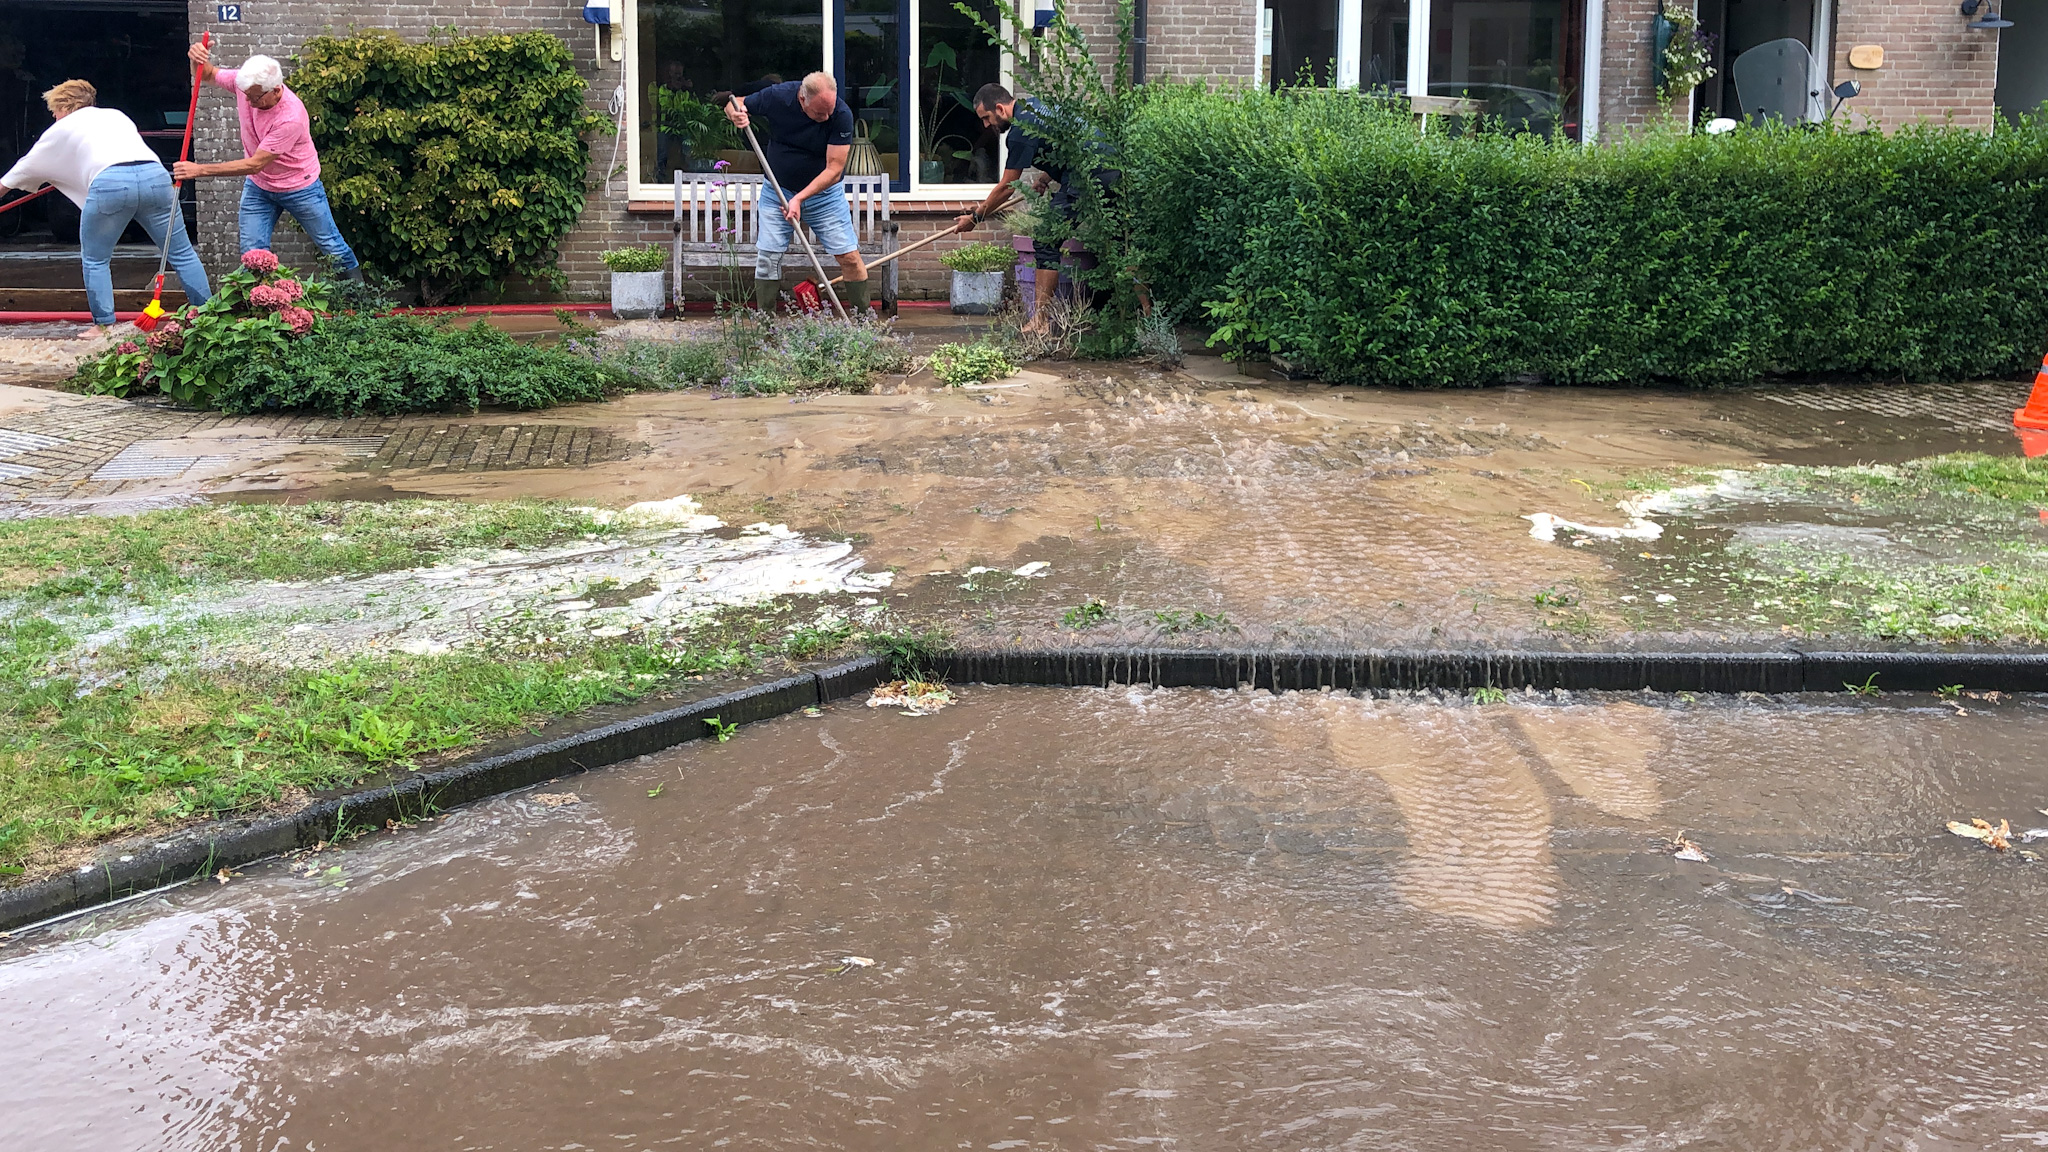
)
(914, 247)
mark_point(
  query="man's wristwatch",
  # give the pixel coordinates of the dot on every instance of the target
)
(977, 215)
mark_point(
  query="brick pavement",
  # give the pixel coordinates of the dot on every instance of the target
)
(61, 452)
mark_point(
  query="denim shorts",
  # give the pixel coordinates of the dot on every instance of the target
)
(826, 214)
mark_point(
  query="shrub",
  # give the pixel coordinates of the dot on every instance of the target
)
(976, 363)
(259, 310)
(389, 364)
(980, 256)
(1321, 225)
(659, 365)
(652, 258)
(452, 163)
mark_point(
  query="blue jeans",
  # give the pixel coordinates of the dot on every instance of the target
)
(826, 214)
(308, 206)
(142, 193)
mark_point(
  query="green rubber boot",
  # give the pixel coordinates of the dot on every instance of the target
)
(767, 294)
(859, 295)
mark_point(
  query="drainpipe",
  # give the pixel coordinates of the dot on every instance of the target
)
(1138, 42)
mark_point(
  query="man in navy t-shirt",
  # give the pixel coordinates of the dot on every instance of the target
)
(1025, 147)
(809, 131)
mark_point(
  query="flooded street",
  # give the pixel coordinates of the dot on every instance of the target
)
(1050, 918)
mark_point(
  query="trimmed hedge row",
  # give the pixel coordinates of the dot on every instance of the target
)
(1376, 255)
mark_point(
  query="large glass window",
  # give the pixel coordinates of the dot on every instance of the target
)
(1304, 41)
(1517, 60)
(908, 69)
(1383, 45)
(954, 60)
(690, 49)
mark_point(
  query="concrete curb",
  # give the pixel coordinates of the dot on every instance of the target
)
(226, 846)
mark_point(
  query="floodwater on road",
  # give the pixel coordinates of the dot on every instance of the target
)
(1073, 919)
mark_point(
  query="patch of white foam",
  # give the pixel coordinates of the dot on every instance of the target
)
(651, 581)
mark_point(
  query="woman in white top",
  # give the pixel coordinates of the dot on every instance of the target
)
(97, 158)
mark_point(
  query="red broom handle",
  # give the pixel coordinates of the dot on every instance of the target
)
(192, 109)
(43, 191)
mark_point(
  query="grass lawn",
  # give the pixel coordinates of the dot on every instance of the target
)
(139, 735)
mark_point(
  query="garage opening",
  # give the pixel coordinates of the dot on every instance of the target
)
(133, 51)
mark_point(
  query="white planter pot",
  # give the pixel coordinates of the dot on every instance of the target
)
(637, 295)
(977, 293)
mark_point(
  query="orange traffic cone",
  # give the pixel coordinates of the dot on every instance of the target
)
(2035, 414)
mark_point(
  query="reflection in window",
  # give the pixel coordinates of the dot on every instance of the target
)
(956, 59)
(1304, 41)
(1517, 60)
(871, 81)
(690, 49)
(1383, 46)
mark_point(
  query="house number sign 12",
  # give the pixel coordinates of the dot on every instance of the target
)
(227, 13)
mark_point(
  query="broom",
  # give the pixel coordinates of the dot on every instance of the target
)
(155, 309)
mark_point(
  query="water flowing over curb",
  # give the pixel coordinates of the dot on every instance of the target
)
(184, 856)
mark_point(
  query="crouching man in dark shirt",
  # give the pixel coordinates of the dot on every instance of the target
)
(810, 130)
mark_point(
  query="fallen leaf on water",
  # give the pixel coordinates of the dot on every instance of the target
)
(1999, 838)
(850, 963)
(1684, 849)
(221, 875)
(557, 799)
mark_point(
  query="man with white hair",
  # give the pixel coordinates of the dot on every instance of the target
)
(810, 131)
(281, 170)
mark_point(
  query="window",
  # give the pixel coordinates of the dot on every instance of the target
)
(1518, 60)
(907, 68)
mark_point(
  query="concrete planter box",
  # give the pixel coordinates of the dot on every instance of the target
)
(637, 295)
(977, 293)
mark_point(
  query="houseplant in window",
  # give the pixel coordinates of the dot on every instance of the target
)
(636, 281)
(936, 148)
(978, 268)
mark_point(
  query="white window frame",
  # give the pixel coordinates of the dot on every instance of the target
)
(919, 192)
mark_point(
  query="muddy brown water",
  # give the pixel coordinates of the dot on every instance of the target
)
(1109, 919)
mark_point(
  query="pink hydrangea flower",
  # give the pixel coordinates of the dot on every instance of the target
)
(261, 261)
(142, 370)
(301, 320)
(269, 297)
(291, 288)
(128, 347)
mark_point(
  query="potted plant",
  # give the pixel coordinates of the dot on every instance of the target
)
(978, 276)
(636, 281)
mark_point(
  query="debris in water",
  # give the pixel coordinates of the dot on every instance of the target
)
(2033, 834)
(915, 697)
(1999, 838)
(850, 963)
(223, 875)
(1684, 849)
(557, 799)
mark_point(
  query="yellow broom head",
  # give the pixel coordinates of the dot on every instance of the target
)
(150, 315)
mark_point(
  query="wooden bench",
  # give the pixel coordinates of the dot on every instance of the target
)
(707, 202)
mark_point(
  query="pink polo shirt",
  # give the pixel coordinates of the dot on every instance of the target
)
(284, 129)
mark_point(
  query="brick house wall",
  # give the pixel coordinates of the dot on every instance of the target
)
(1935, 67)
(1627, 95)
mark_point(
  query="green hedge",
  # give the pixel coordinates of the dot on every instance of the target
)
(1331, 230)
